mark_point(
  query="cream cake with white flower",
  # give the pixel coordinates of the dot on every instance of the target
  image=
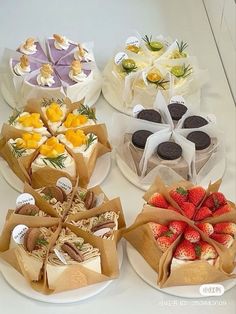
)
(54, 155)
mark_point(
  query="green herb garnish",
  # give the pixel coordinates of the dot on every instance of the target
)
(47, 197)
(182, 46)
(82, 195)
(152, 45)
(17, 151)
(90, 140)
(56, 162)
(14, 116)
(87, 111)
(41, 241)
(48, 101)
(161, 83)
(78, 244)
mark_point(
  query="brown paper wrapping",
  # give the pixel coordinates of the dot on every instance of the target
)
(112, 205)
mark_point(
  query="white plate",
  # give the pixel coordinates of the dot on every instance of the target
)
(142, 268)
(100, 172)
(18, 282)
(212, 175)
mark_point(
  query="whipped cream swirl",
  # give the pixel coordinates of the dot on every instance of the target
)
(21, 71)
(81, 77)
(30, 50)
(62, 46)
(43, 81)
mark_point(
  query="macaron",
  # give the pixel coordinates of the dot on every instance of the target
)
(30, 239)
(27, 209)
(177, 111)
(193, 122)
(55, 192)
(201, 139)
(139, 138)
(169, 150)
(149, 115)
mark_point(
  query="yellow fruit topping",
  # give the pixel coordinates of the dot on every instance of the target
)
(77, 138)
(154, 76)
(31, 120)
(52, 148)
(28, 141)
(73, 120)
(133, 48)
(54, 112)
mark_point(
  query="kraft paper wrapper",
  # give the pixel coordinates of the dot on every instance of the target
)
(77, 276)
(112, 205)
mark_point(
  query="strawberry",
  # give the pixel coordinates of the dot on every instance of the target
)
(205, 250)
(185, 250)
(164, 242)
(225, 239)
(196, 195)
(189, 209)
(158, 200)
(222, 210)
(179, 195)
(191, 235)
(173, 208)
(215, 200)
(206, 227)
(157, 229)
(225, 227)
(202, 213)
(177, 226)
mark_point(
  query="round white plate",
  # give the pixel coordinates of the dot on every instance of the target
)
(18, 282)
(211, 176)
(100, 172)
(142, 268)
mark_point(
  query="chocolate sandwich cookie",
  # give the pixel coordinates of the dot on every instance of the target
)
(139, 138)
(200, 139)
(149, 115)
(169, 150)
(177, 111)
(193, 122)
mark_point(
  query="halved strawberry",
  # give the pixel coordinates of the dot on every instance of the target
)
(225, 239)
(205, 250)
(215, 200)
(157, 229)
(177, 226)
(222, 210)
(191, 235)
(158, 200)
(225, 227)
(206, 227)
(164, 242)
(185, 251)
(196, 195)
(179, 195)
(202, 213)
(189, 209)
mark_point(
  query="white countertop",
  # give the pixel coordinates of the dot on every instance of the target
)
(108, 23)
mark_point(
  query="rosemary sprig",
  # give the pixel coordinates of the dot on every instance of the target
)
(48, 101)
(14, 116)
(82, 195)
(87, 111)
(56, 162)
(41, 241)
(161, 83)
(17, 151)
(182, 46)
(128, 71)
(147, 39)
(90, 140)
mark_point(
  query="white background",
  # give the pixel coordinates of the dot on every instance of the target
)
(108, 23)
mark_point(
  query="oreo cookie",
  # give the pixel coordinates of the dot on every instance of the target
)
(149, 115)
(139, 138)
(177, 111)
(169, 150)
(200, 139)
(193, 122)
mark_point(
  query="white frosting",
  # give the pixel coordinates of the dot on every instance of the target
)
(69, 163)
(55, 125)
(27, 151)
(81, 77)
(62, 46)
(79, 149)
(20, 71)
(43, 130)
(62, 128)
(42, 81)
(88, 56)
(30, 51)
(176, 263)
